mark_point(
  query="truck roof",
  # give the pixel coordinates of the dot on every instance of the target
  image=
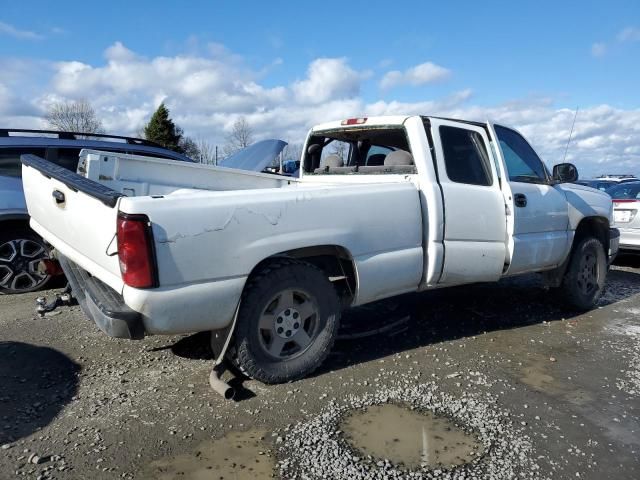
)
(379, 121)
(368, 121)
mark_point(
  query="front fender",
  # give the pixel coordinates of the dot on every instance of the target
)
(586, 202)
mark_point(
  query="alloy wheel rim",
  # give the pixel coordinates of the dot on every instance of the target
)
(288, 324)
(19, 264)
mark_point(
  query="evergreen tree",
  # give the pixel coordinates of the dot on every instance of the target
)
(163, 131)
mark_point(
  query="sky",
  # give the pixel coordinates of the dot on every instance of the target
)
(285, 66)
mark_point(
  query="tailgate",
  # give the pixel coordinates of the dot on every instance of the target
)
(76, 215)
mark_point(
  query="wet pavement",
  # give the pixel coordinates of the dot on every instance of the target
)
(412, 389)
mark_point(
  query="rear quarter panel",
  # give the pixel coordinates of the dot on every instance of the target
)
(202, 237)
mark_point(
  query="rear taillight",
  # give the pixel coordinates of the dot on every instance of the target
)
(135, 251)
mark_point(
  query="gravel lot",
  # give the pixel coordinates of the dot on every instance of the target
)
(547, 393)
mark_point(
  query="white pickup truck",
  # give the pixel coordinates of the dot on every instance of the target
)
(381, 206)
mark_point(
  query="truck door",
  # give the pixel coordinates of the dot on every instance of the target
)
(538, 217)
(474, 208)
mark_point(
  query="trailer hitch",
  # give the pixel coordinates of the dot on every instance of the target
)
(63, 298)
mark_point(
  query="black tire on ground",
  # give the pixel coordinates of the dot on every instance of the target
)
(20, 250)
(287, 323)
(584, 279)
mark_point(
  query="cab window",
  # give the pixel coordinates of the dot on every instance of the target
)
(359, 151)
(465, 156)
(523, 165)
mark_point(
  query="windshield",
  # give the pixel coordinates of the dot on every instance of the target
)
(256, 157)
(625, 191)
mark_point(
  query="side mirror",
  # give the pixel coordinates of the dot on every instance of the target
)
(565, 173)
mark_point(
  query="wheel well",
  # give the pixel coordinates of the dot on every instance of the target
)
(335, 261)
(597, 227)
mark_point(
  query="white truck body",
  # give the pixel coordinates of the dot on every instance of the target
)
(401, 229)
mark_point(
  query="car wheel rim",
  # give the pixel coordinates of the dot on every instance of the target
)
(19, 264)
(288, 324)
(588, 273)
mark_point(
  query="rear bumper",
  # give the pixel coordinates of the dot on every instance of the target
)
(102, 304)
(630, 239)
(139, 312)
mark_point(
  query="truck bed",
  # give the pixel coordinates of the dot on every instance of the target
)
(211, 226)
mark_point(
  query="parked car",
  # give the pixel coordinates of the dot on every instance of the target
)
(626, 203)
(602, 185)
(627, 177)
(268, 262)
(21, 249)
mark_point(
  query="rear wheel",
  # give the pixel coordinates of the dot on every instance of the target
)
(585, 276)
(287, 323)
(20, 252)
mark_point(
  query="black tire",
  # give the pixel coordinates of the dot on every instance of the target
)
(275, 294)
(584, 279)
(20, 250)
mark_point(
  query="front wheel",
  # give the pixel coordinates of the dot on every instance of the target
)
(585, 276)
(287, 323)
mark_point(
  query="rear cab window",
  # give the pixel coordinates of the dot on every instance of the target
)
(359, 151)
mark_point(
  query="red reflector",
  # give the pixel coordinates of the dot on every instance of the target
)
(624, 200)
(354, 121)
(135, 245)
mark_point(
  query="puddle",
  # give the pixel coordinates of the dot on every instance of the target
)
(237, 455)
(408, 437)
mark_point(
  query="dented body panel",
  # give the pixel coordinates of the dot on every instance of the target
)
(402, 230)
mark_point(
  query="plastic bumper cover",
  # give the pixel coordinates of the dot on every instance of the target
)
(630, 239)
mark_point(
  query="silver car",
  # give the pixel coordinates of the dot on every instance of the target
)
(626, 203)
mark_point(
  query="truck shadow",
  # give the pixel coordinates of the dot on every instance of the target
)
(437, 316)
(35, 385)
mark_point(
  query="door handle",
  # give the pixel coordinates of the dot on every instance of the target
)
(58, 196)
(520, 199)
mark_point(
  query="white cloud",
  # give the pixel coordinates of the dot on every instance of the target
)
(626, 35)
(419, 75)
(10, 30)
(598, 49)
(629, 34)
(328, 78)
(207, 92)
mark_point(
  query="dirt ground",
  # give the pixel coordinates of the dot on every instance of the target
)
(545, 393)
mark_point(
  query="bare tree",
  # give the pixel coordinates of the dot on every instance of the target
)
(241, 136)
(207, 152)
(73, 117)
(190, 147)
